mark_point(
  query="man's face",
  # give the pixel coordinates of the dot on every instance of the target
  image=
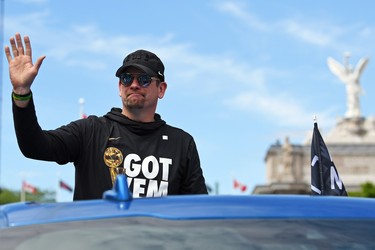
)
(135, 96)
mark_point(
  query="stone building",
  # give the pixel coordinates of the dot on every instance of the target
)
(351, 144)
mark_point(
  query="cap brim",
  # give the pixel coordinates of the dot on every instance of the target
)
(139, 66)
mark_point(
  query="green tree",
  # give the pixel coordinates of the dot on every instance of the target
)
(367, 190)
(9, 196)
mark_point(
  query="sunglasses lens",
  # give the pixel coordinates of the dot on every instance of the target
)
(144, 80)
(126, 79)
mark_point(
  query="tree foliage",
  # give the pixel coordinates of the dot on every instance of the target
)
(367, 190)
(9, 196)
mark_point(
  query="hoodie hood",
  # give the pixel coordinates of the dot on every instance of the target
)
(140, 128)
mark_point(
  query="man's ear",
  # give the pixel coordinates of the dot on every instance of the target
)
(119, 87)
(162, 89)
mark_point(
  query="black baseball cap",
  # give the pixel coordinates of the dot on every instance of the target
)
(144, 60)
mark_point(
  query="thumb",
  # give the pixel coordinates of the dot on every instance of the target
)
(39, 62)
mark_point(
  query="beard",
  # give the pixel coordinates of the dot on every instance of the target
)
(134, 103)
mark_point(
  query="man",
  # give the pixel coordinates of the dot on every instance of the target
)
(158, 159)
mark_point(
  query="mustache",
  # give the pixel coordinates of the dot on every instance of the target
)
(134, 92)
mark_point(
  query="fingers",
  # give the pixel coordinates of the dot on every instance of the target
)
(17, 46)
(7, 53)
(14, 47)
(28, 46)
(20, 49)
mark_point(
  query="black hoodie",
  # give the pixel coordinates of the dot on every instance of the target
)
(158, 159)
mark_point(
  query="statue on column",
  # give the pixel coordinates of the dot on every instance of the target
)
(289, 170)
(350, 77)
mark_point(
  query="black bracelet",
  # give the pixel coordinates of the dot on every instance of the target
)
(26, 97)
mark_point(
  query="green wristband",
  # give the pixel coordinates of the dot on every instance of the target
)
(26, 97)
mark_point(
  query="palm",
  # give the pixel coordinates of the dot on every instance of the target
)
(22, 71)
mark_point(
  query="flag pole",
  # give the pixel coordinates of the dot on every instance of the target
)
(317, 144)
(1, 72)
(23, 192)
(57, 194)
(81, 102)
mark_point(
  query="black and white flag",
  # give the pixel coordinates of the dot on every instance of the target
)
(325, 179)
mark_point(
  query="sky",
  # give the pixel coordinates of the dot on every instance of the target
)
(241, 75)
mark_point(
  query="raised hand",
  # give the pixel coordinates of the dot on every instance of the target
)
(22, 71)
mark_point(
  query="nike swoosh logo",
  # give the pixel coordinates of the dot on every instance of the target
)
(113, 138)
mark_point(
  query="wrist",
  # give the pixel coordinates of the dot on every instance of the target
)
(21, 90)
(22, 97)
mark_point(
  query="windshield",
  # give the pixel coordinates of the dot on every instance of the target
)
(152, 233)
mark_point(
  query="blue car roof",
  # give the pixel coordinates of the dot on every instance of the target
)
(116, 204)
(191, 207)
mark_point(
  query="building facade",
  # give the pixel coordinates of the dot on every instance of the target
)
(351, 144)
(352, 149)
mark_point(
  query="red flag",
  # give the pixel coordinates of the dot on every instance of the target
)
(28, 187)
(240, 186)
(65, 186)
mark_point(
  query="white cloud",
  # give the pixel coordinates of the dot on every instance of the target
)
(32, 1)
(240, 83)
(308, 34)
(27, 23)
(318, 32)
(92, 65)
(367, 32)
(238, 10)
(283, 109)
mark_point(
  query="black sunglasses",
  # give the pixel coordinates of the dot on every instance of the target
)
(144, 80)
